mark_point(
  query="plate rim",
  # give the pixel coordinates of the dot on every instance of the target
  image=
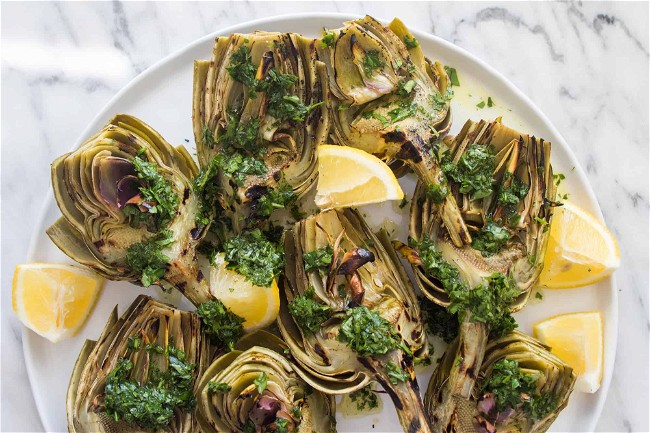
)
(609, 353)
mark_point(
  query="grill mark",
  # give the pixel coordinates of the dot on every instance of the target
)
(414, 426)
(394, 137)
(321, 352)
(409, 152)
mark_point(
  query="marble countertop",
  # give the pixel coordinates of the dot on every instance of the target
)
(584, 64)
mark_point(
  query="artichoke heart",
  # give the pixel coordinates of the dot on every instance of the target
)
(140, 374)
(348, 312)
(129, 208)
(255, 388)
(521, 387)
(391, 101)
(261, 100)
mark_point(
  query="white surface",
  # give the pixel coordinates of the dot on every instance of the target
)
(54, 83)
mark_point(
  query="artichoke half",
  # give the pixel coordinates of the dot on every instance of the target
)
(536, 389)
(255, 388)
(391, 101)
(139, 376)
(509, 218)
(259, 113)
(502, 181)
(129, 208)
(348, 312)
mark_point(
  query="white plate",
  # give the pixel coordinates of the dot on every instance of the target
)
(161, 96)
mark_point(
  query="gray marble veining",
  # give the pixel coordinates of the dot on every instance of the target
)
(584, 64)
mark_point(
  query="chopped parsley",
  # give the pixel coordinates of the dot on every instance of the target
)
(437, 191)
(281, 425)
(308, 314)
(481, 104)
(206, 188)
(558, 178)
(276, 198)
(372, 62)
(146, 258)
(319, 258)
(241, 68)
(241, 136)
(364, 398)
(218, 387)
(403, 111)
(367, 333)
(436, 267)
(510, 384)
(222, 325)
(538, 295)
(439, 321)
(207, 137)
(453, 75)
(239, 167)
(281, 104)
(439, 101)
(510, 196)
(252, 255)
(395, 373)
(261, 382)
(404, 88)
(473, 172)
(488, 303)
(249, 427)
(410, 42)
(490, 103)
(153, 403)
(540, 406)
(134, 342)
(490, 239)
(158, 197)
(329, 38)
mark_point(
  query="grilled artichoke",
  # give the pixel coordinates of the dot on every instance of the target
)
(503, 182)
(521, 387)
(391, 101)
(259, 113)
(129, 208)
(140, 374)
(348, 312)
(255, 388)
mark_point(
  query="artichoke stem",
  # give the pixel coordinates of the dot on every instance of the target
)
(430, 174)
(405, 395)
(190, 281)
(469, 349)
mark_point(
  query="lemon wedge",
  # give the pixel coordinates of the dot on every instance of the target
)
(54, 300)
(351, 177)
(581, 251)
(577, 339)
(258, 306)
